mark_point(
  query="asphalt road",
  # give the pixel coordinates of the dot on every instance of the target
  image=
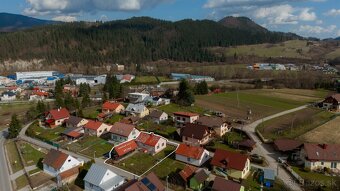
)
(268, 152)
(5, 183)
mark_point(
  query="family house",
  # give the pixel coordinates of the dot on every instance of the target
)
(158, 116)
(63, 167)
(149, 183)
(182, 118)
(222, 184)
(73, 133)
(218, 124)
(138, 97)
(130, 120)
(99, 178)
(138, 110)
(8, 96)
(332, 103)
(96, 128)
(195, 134)
(151, 143)
(112, 107)
(56, 117)
(199, 180)
(194, 155)
(121, 132)
(74, 122)
(320, 156)
(288, 147)
(186, 174)
(123, 149)
(157, 101)
(230, 164)
(38, 95)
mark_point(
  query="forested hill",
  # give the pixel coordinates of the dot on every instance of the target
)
(13, 22)
(134, 40)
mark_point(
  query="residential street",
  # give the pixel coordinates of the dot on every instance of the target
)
(268, 152)
(5, 183)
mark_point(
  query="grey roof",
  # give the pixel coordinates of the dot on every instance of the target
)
(9, 93)
(269, 174)
(96, 174)
(137, 108)
(73, 120)
(156, 113)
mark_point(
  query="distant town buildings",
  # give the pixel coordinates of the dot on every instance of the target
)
(195, 78)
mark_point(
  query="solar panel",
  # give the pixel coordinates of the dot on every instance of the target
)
(152, 187)
(145, 181)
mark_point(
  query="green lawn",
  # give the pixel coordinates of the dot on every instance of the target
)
(30, 154)
(98, 150)
(145, 80)
(261, 102)
(251, 184)
(165, 130)
(34, 171)
(7, 110)
(140, 162)
(171, 108)
(91, 112)
(21, 182)
(114, 118)
(294, 124)
(229, 138)
(316, 178)
(44, 133)
(13, 156)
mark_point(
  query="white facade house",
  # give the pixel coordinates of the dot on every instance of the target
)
(157, 101)
(8, 96)
(151, 143)
(193, 155)
(138, 110)
(57, 163)
(99, 178)
(181, 118)
(138, 97)
(158, 116)
(121, 132)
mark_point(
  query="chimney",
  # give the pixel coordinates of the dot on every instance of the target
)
(324, 146)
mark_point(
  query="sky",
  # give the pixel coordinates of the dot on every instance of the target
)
(309, 18)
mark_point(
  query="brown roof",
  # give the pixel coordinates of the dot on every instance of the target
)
(195, 131)
(125, 147)
(55, 159)
(285, 145)
(156, 114)
(229, 160)
(73, 120)
(187, 172)
(69, 173)
(148, 138)
(151, 179)
(130, 119)
(211, 121)
(201, 176)
(336, 97)
(190, 151)
(247, 143)
(322, 152)
(122, 129)
(186, 114)
(110, 105)
(220, 184)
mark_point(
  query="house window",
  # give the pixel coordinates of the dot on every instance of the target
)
(186, 138)
(188, 159)
(162, 144)
(69, 160)
(322, 163)
(334, 165)
(157, 146)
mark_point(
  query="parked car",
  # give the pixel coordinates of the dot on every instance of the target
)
(255, 158)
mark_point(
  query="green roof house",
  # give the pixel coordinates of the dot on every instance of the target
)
(199, 180)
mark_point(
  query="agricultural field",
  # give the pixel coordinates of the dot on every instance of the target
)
(263, 102)
(150, 79)
(6, 112)
(334, 54)
(295, 124)
(140, 162)
(327, 133)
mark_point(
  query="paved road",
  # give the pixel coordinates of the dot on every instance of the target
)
(5, 183)
(39, 143)
(268, 152)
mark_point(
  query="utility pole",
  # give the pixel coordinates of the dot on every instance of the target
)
(238, 100)
(167, 183)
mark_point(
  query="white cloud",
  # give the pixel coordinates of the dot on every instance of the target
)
(317, 30)
(307, 15)
(65, 18)
(333, 12)
(338, 33)
(66, 7)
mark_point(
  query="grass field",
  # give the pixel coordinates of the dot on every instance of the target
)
(140, 162)
(13, 156)
(252, 184)
(263, 102)
(294, 124)
(150, 79)
(327, 133)
(31, 155)
(91, 112)
(289, 49)
(334, 54)
(166, 130)
(171, 108)
(114, 118)
(6, 112)
(21, 182)
(46, 133)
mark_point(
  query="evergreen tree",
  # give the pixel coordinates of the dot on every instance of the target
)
(201, 88)
(41, 107)
(113, 87)
(185, 95)
(14, 127)
(86, 101)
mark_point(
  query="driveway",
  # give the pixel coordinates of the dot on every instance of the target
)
(268, 152)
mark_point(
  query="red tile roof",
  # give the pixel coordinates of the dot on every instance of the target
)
(125, 148)
(322, 152)
(41, 93)
(110, 105)
(186, 114)
(148, 138)
(122, 129)
(59, 113)
(190, 151)
(187, 172)
(285, 145)
(229, 160)
(69, 173)
(74, 134)
(94, 125)
(55, 159)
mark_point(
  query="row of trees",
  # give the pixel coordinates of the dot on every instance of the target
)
(186, 93)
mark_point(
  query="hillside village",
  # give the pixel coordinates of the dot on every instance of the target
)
(150, 140)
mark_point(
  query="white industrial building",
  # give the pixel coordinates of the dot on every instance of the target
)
(35, 74)
(92, 80)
